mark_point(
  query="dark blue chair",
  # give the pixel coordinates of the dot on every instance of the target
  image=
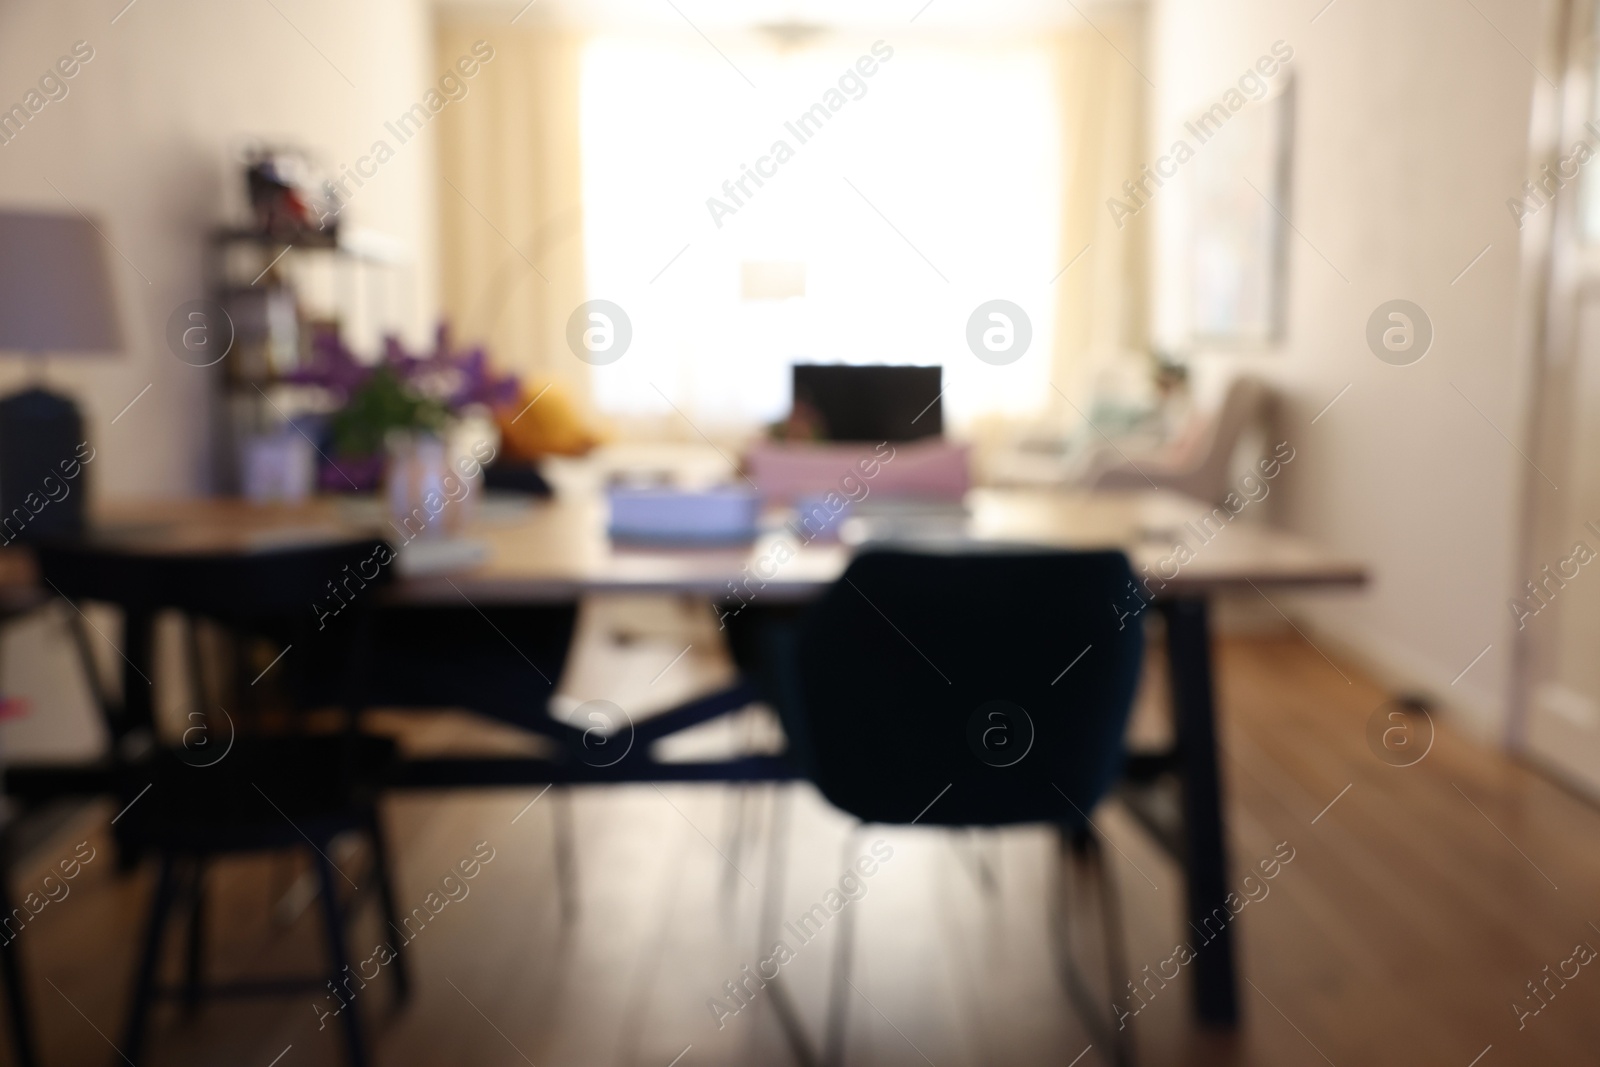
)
(962, 690)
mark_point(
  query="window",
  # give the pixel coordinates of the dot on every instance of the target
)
(932, 188)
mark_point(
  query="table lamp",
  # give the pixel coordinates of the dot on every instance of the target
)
(55, 297)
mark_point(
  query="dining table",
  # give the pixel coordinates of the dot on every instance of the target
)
(518, 552)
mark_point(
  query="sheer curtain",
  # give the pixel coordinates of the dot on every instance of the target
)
(959, 171)
(511, 201)
(933, 188)
(1102, 299)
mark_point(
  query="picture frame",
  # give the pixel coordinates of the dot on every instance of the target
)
(1238, 220)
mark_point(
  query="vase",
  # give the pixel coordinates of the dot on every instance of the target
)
(425, 497)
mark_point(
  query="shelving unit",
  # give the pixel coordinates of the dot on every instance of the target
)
(277, 292)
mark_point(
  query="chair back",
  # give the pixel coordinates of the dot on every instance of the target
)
(1210, 466)
(313, 597)
(238, 586)
(1006, 676)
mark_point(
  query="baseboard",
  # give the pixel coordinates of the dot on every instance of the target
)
(1404, 671)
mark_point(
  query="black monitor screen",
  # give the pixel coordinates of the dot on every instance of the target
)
(871, 403)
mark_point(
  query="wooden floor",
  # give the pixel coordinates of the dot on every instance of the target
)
(1414, 911)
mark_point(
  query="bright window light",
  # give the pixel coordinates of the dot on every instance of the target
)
(934, 188)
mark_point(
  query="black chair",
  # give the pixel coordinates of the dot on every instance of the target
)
(499, 661)
(240, 790)
(17, 1001)
(960, 690)
(15, 604)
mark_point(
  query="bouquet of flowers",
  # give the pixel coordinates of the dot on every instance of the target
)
(419, 393)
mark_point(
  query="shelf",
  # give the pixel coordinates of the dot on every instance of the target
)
(239, 235)
(369, 246)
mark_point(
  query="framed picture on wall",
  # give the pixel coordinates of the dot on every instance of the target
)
(1237, 232)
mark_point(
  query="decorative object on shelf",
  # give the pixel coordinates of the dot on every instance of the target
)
(410, 394)
(281, 183)
(280, 281)
(266, 325)
(55, 296)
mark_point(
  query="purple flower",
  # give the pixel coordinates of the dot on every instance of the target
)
(457, 378)
(333, 366)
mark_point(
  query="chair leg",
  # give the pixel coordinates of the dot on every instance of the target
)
(401, 968)
(194, 964)
(988, 847)
(843, 956)
(333, 928)
(777, 853)
(1116, 950)
(16, 993)
(737, 801)
(843, 950)
(1085, 847)
(739, 798)
(566, 853)
(771, 904)
(144, 989)
(974, 852)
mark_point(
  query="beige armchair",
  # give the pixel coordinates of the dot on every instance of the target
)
(1198, 462)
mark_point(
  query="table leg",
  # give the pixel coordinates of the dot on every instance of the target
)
(1205, 844)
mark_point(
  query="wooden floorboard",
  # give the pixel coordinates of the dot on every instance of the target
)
(1415, 909)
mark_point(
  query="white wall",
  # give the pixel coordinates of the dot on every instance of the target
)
(143, 140)
(1412, 130)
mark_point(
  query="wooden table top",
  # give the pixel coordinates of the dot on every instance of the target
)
(558, 549)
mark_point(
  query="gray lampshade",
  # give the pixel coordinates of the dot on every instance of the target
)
(55, 286)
